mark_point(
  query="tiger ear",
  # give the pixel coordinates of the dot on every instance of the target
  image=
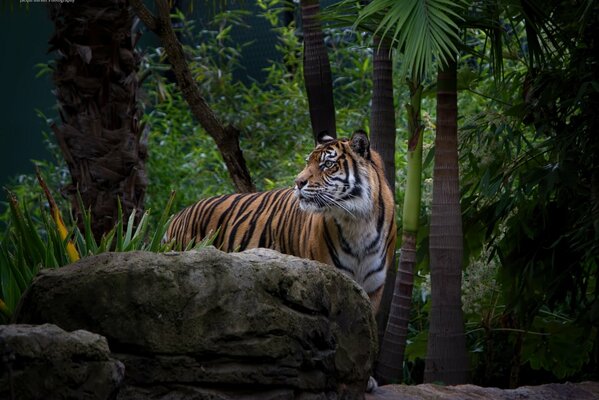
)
(360, 143)
(324, 137)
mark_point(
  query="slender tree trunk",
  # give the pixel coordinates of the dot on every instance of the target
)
(225, 137)
(382, 139)
(595, 217)
(447, 358)
(96, 88)
(382, 116)
(595, 200)
(516, 361)
(317, 72)
(393, 345)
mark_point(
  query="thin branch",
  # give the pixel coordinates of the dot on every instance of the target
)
(225, 137)
(164, 11)
(144, 14)
(510, 330)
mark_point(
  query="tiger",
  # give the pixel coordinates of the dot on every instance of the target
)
(341, 212)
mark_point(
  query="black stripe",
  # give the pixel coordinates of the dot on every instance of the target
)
(337, 179)
(356, 173)
(303, 223)
(333, 252)
(374, 271)
(226, 214)
(265, 198)
(345, 179)
(344, 245)
(286, 224)
(248, 200)
(206, 215)
(194, 218)
(274, 209)
(233, 233)
(356, 191)
(190, 224)
(380, 221)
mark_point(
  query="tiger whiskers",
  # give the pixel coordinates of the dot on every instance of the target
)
(330, 199)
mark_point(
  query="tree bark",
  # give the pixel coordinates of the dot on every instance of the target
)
(382, 115)
(225, 137)
(382, 139)
(389, 369)
(447, 358)
(96, 88)
(317, 72)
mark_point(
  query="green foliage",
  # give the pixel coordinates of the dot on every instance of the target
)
(528, 162)
(123, 237)
(33, 243)
(528, 159)
(549, 345)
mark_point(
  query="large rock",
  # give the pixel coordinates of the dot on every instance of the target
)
(553, 391)
(45, 362)
(209, 324)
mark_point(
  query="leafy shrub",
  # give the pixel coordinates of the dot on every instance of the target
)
(32, 243)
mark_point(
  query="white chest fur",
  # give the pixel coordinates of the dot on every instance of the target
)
(360, 251)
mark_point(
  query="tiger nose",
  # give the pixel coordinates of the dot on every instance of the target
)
(300, 183)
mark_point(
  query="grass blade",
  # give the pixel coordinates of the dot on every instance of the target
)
(165, 219)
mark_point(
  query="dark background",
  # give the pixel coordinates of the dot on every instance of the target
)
(24, 34)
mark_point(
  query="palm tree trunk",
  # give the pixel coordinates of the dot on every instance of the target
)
(382, 139)
(317, 72)
(447, 359)
(382, 116)
(382, 136)
(393, 345)
(96, 89)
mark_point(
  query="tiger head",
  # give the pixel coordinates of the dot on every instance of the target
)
(337, 178)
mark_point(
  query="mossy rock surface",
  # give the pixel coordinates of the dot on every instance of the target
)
(209, 324)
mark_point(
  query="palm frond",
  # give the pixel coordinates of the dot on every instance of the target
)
(424, 30)
(486, 16)
(501, 22)
(542, 34)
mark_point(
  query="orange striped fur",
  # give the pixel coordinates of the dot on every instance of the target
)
(341, 212)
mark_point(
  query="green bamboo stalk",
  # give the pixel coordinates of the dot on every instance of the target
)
(390, 367)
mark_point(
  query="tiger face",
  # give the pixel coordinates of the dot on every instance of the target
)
(336, 177)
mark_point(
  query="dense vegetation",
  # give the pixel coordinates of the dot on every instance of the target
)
(529, 175)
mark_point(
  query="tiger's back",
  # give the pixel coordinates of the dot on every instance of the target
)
(242, 221)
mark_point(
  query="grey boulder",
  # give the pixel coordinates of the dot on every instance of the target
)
(209, 324)
(45, 362)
